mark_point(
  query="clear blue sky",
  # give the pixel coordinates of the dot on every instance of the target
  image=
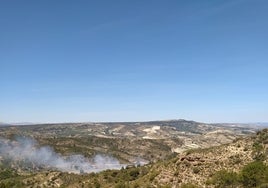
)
(136, 60)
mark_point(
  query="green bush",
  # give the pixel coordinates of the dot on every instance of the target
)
(196, 170)
(6, 174)
(258, 151)
(254, 174)
(134, 173)
(224, 178)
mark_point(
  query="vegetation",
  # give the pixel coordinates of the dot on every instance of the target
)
(241, 163)
(223, 179)
(254, 174)
(8, 178)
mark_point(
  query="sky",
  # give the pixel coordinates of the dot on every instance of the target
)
(82, 61)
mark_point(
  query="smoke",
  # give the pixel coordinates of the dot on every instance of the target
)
(26, 151)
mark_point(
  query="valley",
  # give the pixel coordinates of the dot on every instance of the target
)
(158, 152)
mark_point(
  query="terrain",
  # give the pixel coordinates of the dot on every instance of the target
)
(171, 153)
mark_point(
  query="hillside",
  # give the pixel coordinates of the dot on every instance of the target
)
(201, 153)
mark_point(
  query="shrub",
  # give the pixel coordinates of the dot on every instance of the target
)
(134, 173)
(6, 174)
(196, 170)
(258, 150)
(224, 178)
(254, 174)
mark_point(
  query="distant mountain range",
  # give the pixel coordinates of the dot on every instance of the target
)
(261, 124)
(4, 124)
(19, 123)
(253, 124)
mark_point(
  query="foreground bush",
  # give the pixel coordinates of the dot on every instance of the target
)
(254, 174)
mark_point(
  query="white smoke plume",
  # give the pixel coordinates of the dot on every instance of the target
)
(26, 150)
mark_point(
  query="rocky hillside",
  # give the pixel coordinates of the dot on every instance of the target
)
(199, 166)
(225, 165)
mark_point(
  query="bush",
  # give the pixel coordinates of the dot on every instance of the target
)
(5, 174)
(224, 178)
(254, 174)
(258, 151)
(134, 173)
(196, 170)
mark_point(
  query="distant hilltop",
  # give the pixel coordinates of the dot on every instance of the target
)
(253, 124)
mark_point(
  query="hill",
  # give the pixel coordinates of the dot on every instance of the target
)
(179, 153)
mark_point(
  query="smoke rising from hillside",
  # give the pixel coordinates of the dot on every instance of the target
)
(26, 150)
